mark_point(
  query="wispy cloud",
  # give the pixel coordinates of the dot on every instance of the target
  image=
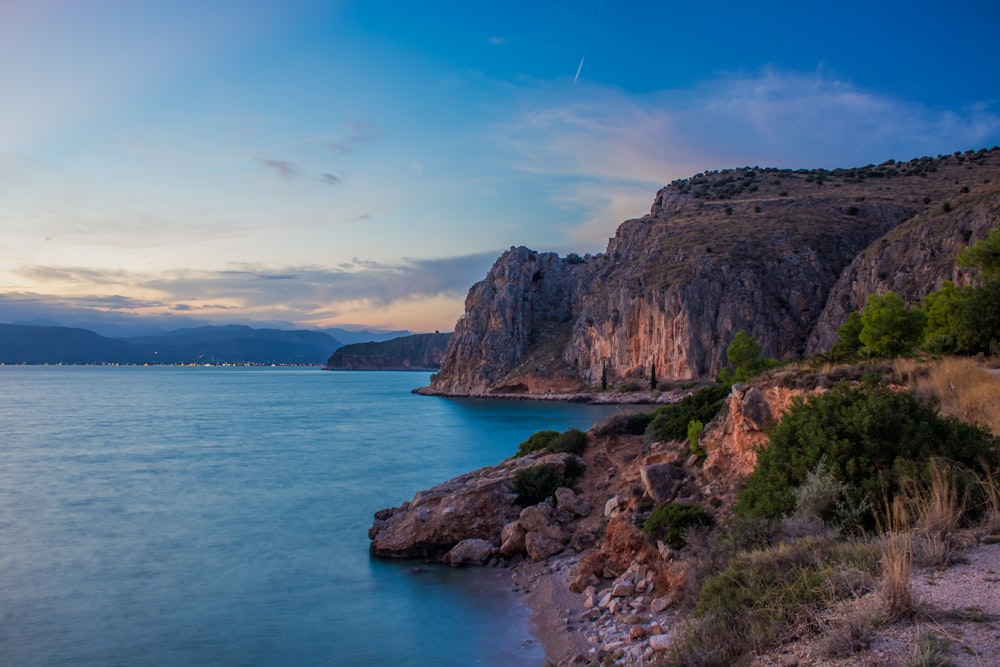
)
(359, 133)
(600, 148)
(287, 170)
(297, 294)
(330, 179)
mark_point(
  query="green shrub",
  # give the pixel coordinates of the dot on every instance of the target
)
(630, 424)
(695, 427)
(536, 442)
(535, 484)
(869, 437)
(573, 441)
(671, 421)
(670, 521)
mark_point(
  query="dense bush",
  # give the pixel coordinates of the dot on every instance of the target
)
(535, 484)
(670, 521)
(867, 437)
(630, 424)
(671, 421)
(573, 441)
(536, 442)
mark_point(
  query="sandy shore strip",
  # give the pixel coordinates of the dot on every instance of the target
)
(557, 614)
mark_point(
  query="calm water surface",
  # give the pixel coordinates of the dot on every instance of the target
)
(219, 516)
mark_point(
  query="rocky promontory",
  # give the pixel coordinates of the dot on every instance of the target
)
(783, 255)
(606, 589)
(406, 353)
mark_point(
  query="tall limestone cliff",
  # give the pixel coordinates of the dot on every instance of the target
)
(783, 255)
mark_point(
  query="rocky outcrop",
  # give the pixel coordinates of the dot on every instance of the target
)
(759, 250)
(406, 353)
(515, 325)
(474, 506)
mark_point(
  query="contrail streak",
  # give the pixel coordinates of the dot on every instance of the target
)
(592, 29)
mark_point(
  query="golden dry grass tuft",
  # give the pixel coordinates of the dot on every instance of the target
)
(961, 388)
(897, 562)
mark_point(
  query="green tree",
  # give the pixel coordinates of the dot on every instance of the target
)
(978, 320)
(745, 357)
(888, 327)
(848, 345)
(984, 256)
(943, 309)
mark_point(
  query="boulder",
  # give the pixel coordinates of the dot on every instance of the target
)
(512, 540)
(659, 642)
(660, 480)
(613, 507)
(540, 547)
(473, 551)
(566, 499)
(756, 409)
(538, 519)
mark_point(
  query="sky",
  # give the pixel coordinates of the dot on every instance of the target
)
(362, 164)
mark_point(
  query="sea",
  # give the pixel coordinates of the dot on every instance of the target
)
(218, 516)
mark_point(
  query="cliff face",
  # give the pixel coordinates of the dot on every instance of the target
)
(416, 352)
(783, 255)
(514, 328)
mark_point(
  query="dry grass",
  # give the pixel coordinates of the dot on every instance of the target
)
(961, 388)
(897, 561)
(990, 484)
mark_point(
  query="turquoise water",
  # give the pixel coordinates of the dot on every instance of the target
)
(219, 516)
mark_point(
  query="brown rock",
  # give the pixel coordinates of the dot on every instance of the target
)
(512, 540)
(474, 505)
(472, 551)
(540, 547)
(659, 480)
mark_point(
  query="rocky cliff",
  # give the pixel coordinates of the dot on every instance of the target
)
(415, 352)
(783, 255)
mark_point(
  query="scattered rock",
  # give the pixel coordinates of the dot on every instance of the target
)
(539, 546)
(659, 480)
(512, 540)
(659, 642)
(472, 551)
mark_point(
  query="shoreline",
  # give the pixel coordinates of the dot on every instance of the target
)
(590, 398)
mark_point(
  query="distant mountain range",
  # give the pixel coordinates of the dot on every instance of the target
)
(233, 344)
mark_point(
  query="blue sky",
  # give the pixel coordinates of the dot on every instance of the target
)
(363, 163)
